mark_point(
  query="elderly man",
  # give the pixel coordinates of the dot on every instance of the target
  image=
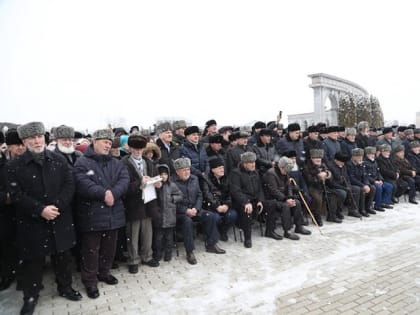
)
(101, 182)
(168, 148)
(190, 209)
(233, 154)
(292, 141)
(41, 187)
(64, 136)
(193, 149)
(179, 127)
(265, 151)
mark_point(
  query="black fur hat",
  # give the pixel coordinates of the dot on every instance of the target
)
(12, 137)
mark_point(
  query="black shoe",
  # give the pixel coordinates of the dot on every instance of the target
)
(318, 220)
(133, 268)
(109, 279)
(340, 216)
(371, 211)
(394, 200)
(191, 258)
(302, 230)
(6, 283)
(215, 249)
(168, 256)
(28, 307)
(92, 292)
(364, 213)
(273, 235)
(355, 214)
(413, 201)
(248, 243)
(223, 236)
(151, 263)
(335, 220)
(387, 206)
(379, 208)
(70, 294)
(291, 236)
(115, 265)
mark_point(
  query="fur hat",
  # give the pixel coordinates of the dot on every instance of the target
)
(215, 162)
(362, 125)
(137, 141)
(293, 127)
(351, 131)
(152, 147)
(312, 129)
(386, 130)
(385, 147)
(12, 137)
(178, 124)
(259, 125)
(31, 129)
(162, 127)
(285, 163)
(265, 132)
(63, 132)
(416, 131)
(401, 128)
(134, 129)
(103, 134)
(182, 162)
(409, 132)
(234, 136)
(332, 129)
(116, 143)
(370, 150)
(316, 153)
(78, 135)
(225, 129)
(243, 134)
(1, 137)
(216, 138)
(210, 122)
(248, 157)
(340, 156)
(357, 152)
(291, 153)
(190, 130)
(398, 148)
(413, 144)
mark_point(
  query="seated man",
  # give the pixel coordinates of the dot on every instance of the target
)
(408, 173)
(248, 197)
(216, 197)
(279, 190)
(190, 209)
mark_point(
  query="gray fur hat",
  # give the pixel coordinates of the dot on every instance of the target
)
(408, 132)
(248, 157)
(316, 153)
(178, 124)
(31, 129)
(399, 148)
(362, 125)
(385, 147)
(63, 132)
(182, 162)
(370, 150)
(357, 152)
(103, 134)
(162, 127)
(285, 163)
(351, 131)
(413, 144)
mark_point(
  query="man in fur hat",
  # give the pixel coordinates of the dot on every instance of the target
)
(193, 149)
(64, 136)
(41, 187)
(292, 141)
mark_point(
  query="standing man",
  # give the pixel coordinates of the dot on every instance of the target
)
(64, 136)
(101, 181)
(41, 188)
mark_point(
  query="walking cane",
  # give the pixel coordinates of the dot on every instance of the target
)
(351, 194)
(292, 180)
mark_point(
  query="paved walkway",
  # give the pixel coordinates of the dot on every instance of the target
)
(358, 267)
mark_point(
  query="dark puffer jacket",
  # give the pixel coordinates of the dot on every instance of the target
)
(216, 192)
(198, 156)
(266, 154)
(193, 197)
(94, 175)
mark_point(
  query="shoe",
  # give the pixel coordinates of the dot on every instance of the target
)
(371, 211)
(273, 235)
(302, 230)
(335, 220)
(168, 256)
(248, 243)
(133, 268)
(191, 258)
(318, 220)
(364, 213)
(215, 249)
(291, 236)
(28, 307)
(70, 294)
(223, 236)
(340, 216)
(355, 214)
(151, 263)
(6, 283)
(92, 292)
(379, 208)
(394, 200)
(108, 279)
(413, 201)
(115, 265)
(387, 206)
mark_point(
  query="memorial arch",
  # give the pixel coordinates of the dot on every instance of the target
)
(327, 90)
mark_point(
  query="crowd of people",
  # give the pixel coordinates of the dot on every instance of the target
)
(90, 202)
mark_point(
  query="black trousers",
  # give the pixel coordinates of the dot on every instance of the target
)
(163, 241)
(32, 272)
(98, 252)
(8, 259)
(245, 220)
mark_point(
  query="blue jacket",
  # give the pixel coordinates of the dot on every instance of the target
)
(94, 175)
(193, 197)
(198, 156)
(357, 174)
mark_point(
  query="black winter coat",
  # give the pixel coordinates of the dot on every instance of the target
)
(94, 175)
(168, 156)
(372, 171)
(266, 154)
(414, 160)
(193, 197)
(362, 141)
(216, 192)
(33, 187)
(387, 168)
(233, 157)
(277, 186)
(357, 174)
(7, 212)
(286, 144)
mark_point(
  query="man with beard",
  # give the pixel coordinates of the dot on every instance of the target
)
(41, 188)
(101, 182)
(64, 136)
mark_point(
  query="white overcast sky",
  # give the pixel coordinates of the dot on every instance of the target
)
(86, 63)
